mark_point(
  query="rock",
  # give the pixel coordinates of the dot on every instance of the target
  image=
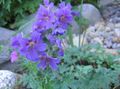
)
(114, 46)
(88, 10)
(5, 36)
(105, 2)
(116, 39)
(14, 67)
(91, 29)
(108, 44)
(4, 54)
(100, 26)
(5, 64)
(117, 25)
(108, 29)
(111, 10)
(118, 45)
(117, 32)
(98, 40)
(8, 79)
(106, 34)
(110, 25)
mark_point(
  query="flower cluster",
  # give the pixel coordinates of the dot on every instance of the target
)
(44, 44)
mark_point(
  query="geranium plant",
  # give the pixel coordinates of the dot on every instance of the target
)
(50, 65)
(44, 43)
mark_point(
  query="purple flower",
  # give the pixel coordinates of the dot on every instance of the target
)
(60, 49)
(64, 5)
(59, 43)
(15, 41)
(45, 15)
(48, 61)
(61, 52)
(46, 2)
(14, 56)
(76, 13)
(64, 15)
(39, 27)
(59, 31)
(52, 39)
(51, 22)
(31, 47)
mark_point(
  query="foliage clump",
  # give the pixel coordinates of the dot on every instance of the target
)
(83, 67)
(89, 67)
(14, 11)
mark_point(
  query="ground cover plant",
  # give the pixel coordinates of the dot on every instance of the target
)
(89, 67)
(24, 8)
(49, 64)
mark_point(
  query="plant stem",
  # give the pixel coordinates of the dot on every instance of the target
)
(80, 24)
(84, 34)
(70, 36)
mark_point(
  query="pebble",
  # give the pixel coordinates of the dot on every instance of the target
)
(117, 32)
(98, 40)
(117, 25)
(106, 35)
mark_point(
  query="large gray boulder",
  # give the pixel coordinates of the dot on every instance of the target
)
(91, 13)
(5, 36)
(5, 64)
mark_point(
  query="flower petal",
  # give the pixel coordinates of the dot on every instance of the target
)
(14, 56)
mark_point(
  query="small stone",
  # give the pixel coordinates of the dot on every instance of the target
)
(117, 32)
(118, 45)
(116, 39)
(117, 25)
(110, 25)
(91, 29)
(108, 43)
(109, 38)
(105, 46)
(111, 33)
(100, 27)
(98, 40)
(114, 46)
(92, 34)
(108, 29)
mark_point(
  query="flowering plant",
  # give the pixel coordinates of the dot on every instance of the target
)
(78, 67)
(44, 43)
